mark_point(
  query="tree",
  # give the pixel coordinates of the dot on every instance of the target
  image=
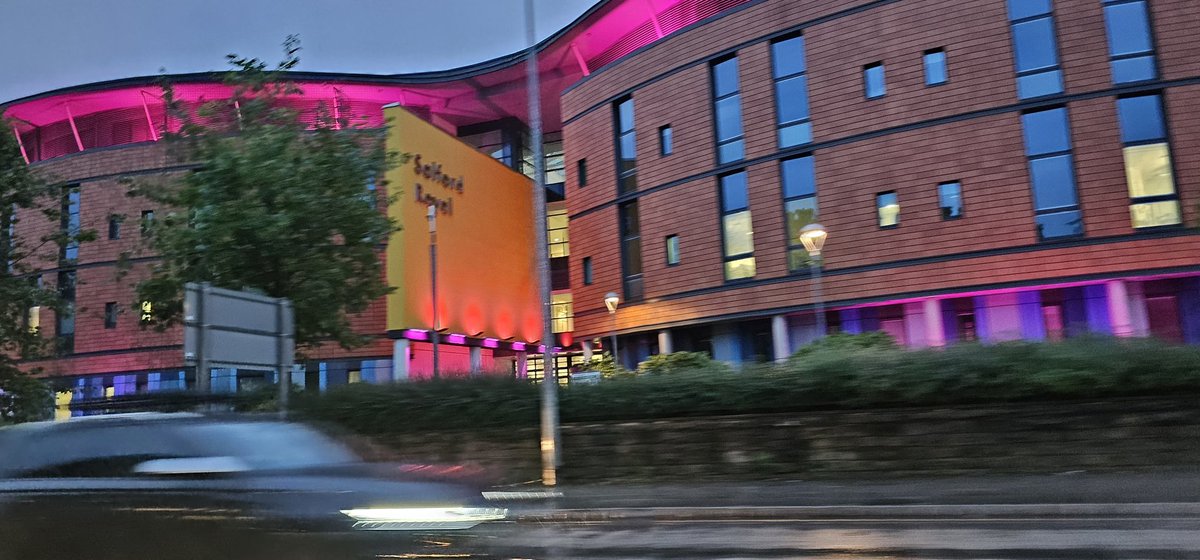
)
(278, 204)
(24, 195)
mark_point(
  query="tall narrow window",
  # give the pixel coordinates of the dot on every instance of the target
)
(562, 309)
(887, 206)
(555, 166)
(728, 107)
(1130, 44)
(672, 250)
(791, 91)
(799, 206)
(558, 231)
(587, 271)
(950, 200)
(1153, 200)
(581, 172)
(737, 230)
(626, 147)
(1035, 46)
(1052, 173)
(110, 315)
(666, 140)
(147, 221)
(64, 319)
(935, 67)
(69, 217)
(873, 81)
(114, 227)
(631, 251)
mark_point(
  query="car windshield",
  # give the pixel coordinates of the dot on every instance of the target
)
(267, 445)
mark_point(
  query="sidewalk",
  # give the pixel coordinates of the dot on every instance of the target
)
(1069, 494)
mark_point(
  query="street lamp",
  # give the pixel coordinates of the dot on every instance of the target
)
(611, 300)
(813, 237)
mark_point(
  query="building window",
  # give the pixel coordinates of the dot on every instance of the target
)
(562, 311)
(1035, 47)
(557, 231)
(737, 229)
(631, 250)
(791, 92)
(581, 172)
(147, 222)
(935, 67)
(728, 107)
(69, 217)
(887, 205)
(147, 312)
(554, 160)
(1052, 173)
(666, 141)
(587, 271)
(950, 200)
(626, 147)
(114, 227)
(873, 81)
(1153, 200)
(799, 206)
(64, 320)
(672, 250)
(110, 315)
(1130, 44)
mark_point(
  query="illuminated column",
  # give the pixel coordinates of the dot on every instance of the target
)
(935, 329)
(476, 360)
(400, 363)
(1139, 316)
(780, 338)
(664, 342)
(587, 350)
(1118, 308)
(522, 365)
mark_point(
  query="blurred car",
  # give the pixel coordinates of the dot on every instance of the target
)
(185, 486)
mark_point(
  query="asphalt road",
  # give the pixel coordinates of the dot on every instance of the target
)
(1130, 538)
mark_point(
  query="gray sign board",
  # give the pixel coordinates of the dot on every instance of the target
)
(236, 329)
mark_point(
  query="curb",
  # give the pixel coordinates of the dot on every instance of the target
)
(801, 513)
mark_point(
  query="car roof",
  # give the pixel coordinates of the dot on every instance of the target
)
(123, 418)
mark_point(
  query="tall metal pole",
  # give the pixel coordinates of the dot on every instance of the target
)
(434, 333)
(616, 357)
(549, 440)
(818, 296)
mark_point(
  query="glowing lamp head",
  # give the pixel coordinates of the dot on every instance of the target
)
(813, 237)
(611, 300)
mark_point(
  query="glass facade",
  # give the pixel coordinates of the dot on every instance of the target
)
(631, 250)
(1036, 48)
(737, 229)
(69, 216)
(626, 147)
(727, 99)
(791, 92)
(1052, 173)
(1154, 200)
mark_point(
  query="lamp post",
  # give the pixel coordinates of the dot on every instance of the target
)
(433, 334)
(813, 237)
(611, 300)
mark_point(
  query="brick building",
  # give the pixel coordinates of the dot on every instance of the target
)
(985, 171)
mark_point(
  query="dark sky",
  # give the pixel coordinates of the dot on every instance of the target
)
(47, 44)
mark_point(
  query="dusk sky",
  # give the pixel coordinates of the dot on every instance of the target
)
(53, 44)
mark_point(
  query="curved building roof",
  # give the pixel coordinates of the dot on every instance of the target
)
(129, 110)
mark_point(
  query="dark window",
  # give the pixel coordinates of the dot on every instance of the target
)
(110, 315)
(587, 271)
(728, 108)
(799, 206)
(791, 92)
(581, 172)
(935, 67)
(631, 250)
(64, 320)
(666, 143)
(626, 147)
(737, 230)
(1051, 173)
(1149, 175)
(887, 206)
(147, 221)
(1035, 47)
(672, 250)
(1130, 44)
(114, 227)
(873, 81)
(950, 200)
(69, 217)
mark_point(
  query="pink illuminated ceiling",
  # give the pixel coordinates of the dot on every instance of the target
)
(130, 110)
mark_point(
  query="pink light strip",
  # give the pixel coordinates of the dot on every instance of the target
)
(149, 119)
(490, 343)
(414, 334)
(579, 58)
(456, 338)
(518, 346)
(74, 129)
(21, 144)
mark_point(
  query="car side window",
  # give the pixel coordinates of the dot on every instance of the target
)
(97, 467)
(95, 451)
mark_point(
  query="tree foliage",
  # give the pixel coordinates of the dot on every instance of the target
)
(278, 204)
(24, 196)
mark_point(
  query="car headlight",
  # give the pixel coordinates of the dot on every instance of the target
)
(422, 518)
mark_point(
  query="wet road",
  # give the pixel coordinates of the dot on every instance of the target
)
(926, 539)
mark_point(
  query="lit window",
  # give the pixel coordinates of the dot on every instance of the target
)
(562, 310)
(873, 81)
(147, 311)
(935, 67)
(737, 228)
(34, 319)
(672, 250)
(1153, 201)
(888, 206)
(950, 200)
(557, 232)
(799, 206)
